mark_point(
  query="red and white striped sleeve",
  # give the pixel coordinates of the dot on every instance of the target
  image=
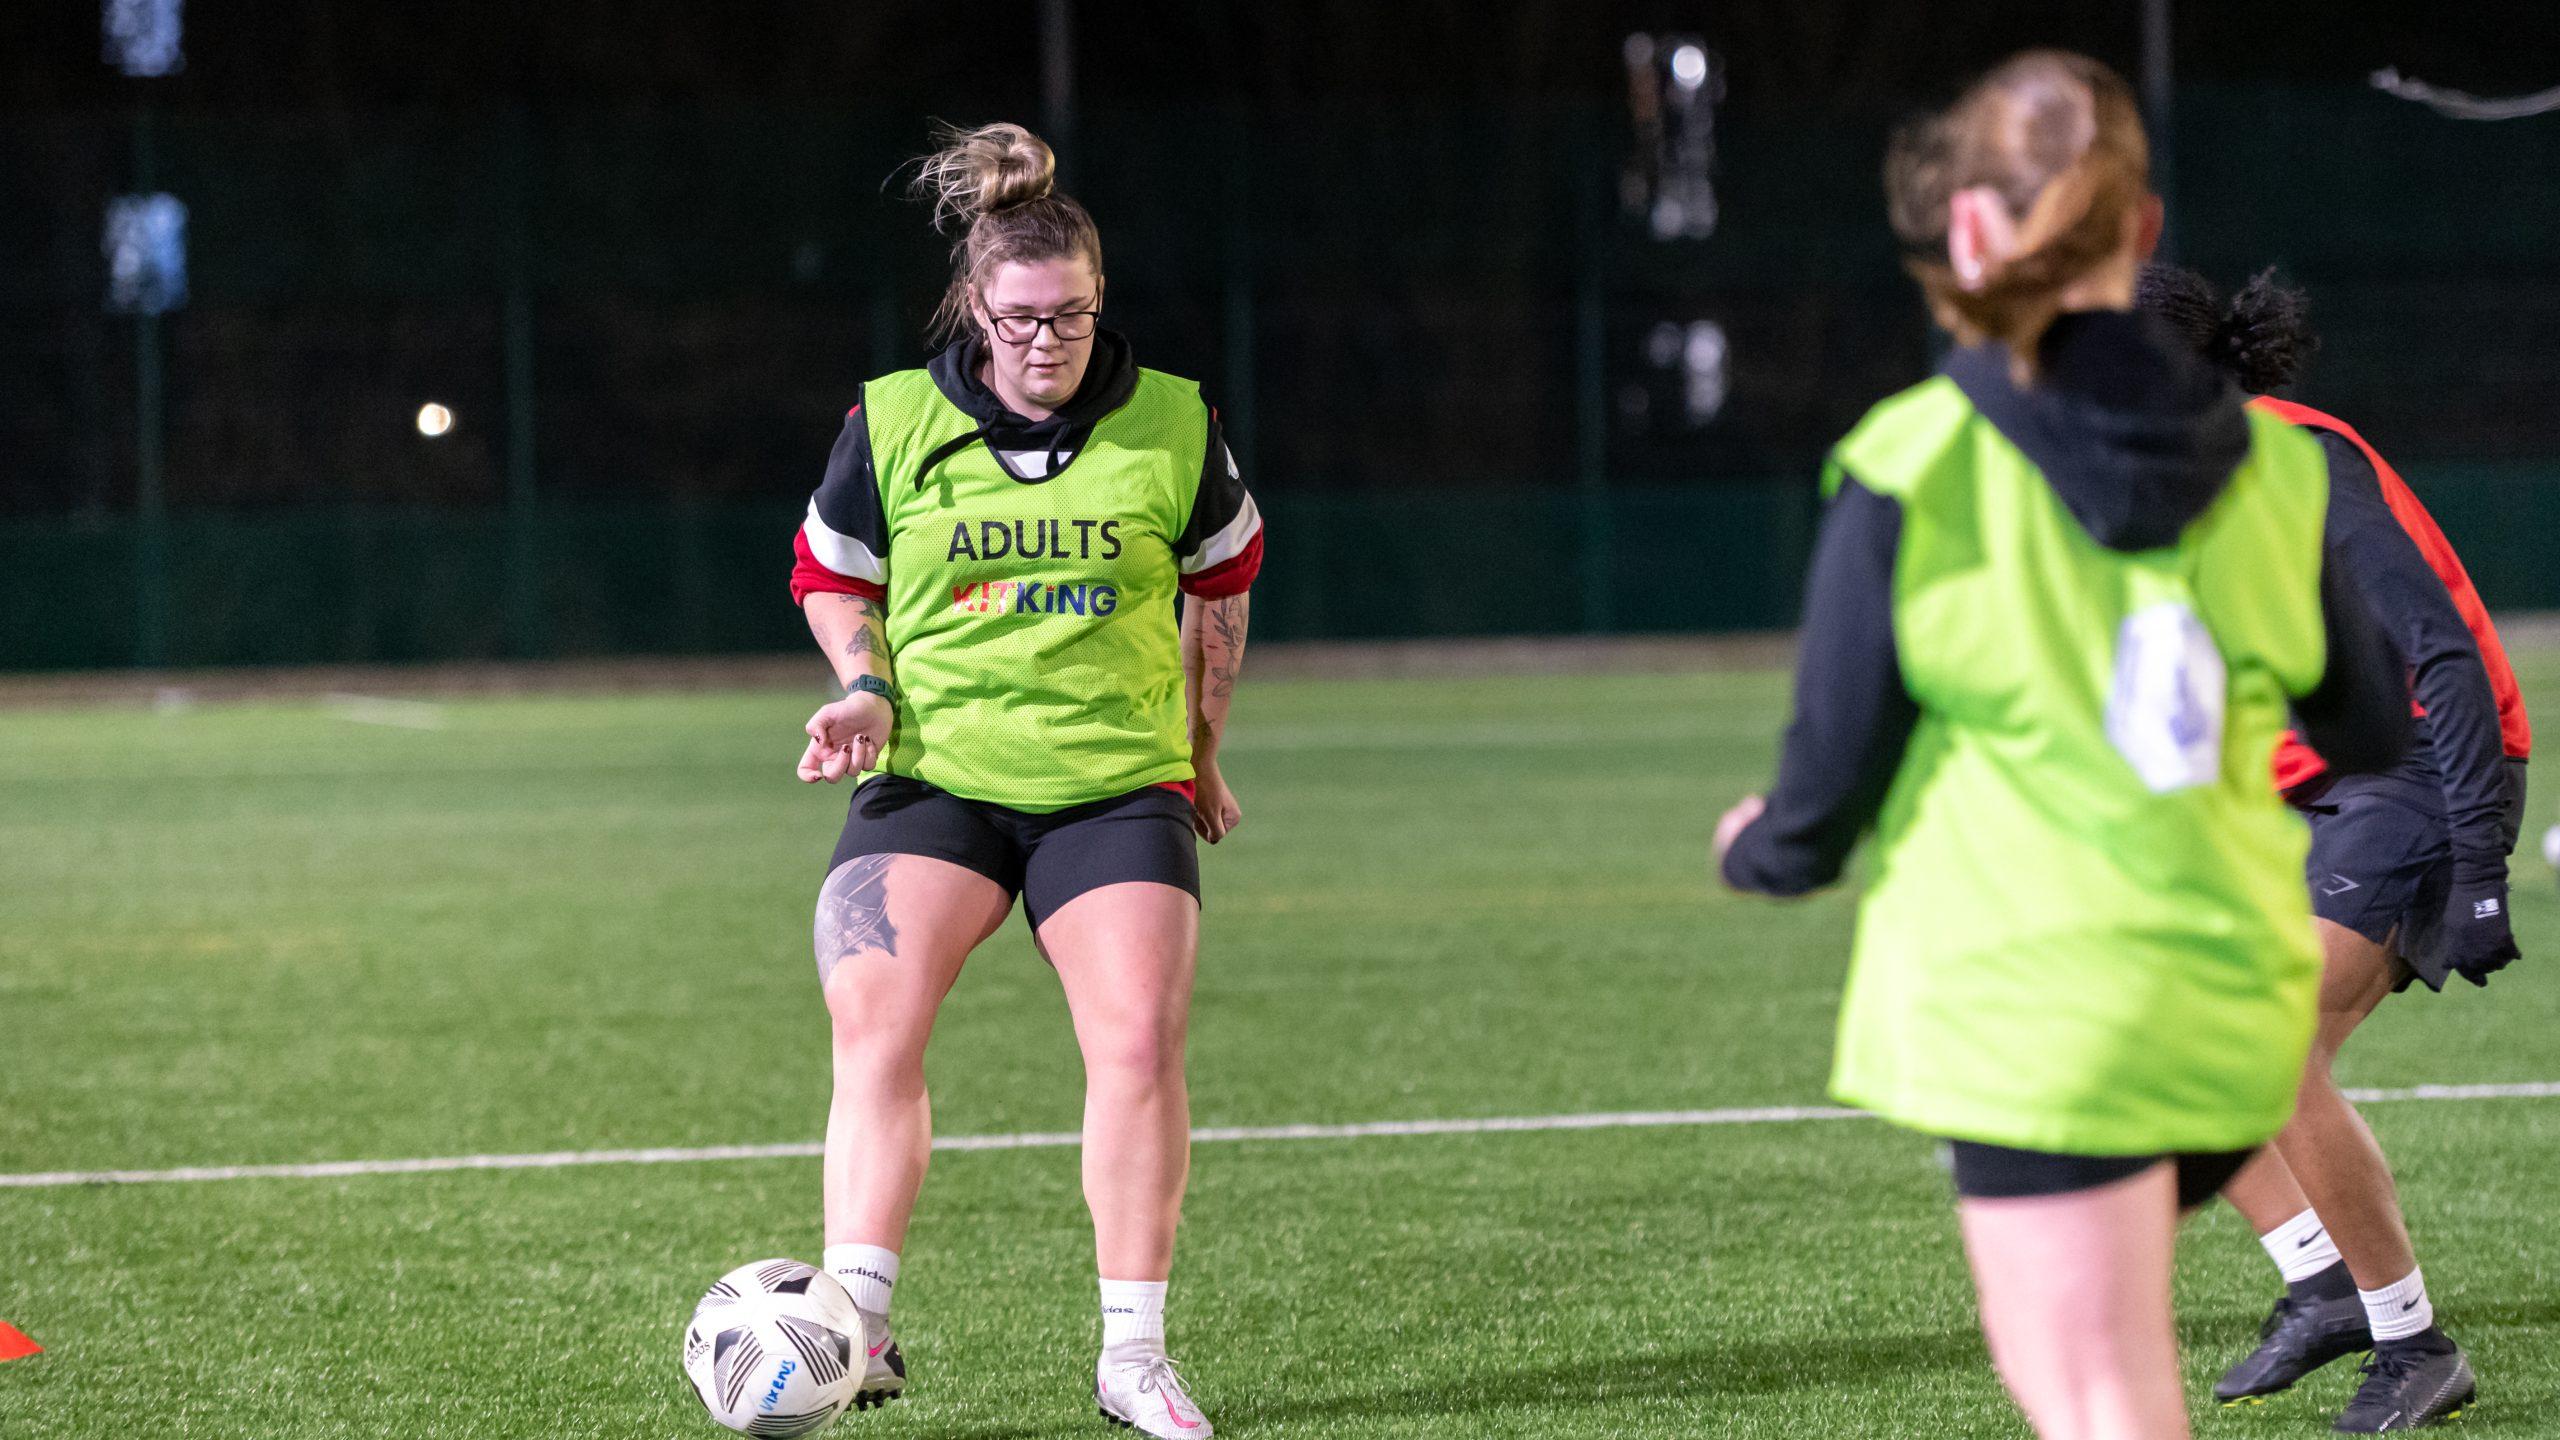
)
(1220, 550)
(842, 547)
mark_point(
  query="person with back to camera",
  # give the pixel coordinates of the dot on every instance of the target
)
(992, 566)
(2061, 598)
(2408, 880)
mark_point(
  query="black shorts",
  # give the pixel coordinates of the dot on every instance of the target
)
(1996, 1172)
(1048, 859)
(2381, 863)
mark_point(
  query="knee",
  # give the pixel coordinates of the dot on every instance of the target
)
(1143, 1055)
(870, 1042)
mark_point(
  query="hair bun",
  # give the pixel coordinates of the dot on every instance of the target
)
(985, 171)
(2264, 336)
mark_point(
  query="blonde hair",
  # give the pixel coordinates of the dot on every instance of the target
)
(2058, 137)
(997, 186)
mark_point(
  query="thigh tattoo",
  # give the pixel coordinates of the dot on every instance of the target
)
(853, 912)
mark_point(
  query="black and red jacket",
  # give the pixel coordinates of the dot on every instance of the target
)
(2461, 682)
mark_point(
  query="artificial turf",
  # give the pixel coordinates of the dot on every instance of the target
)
(279, 933)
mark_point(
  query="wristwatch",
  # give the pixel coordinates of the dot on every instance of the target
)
(870, 684)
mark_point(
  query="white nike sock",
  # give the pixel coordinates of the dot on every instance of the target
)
(2301, 1247)
(1132, 1320)
(867, 1270)
(2400, 1310)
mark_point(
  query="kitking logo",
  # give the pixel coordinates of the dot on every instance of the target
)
(1035, 597)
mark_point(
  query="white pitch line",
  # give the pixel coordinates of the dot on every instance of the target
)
(2521, 1090)
(1055, 1139)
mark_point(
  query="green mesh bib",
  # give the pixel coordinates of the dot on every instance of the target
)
(2088, 932)
(1032, 625)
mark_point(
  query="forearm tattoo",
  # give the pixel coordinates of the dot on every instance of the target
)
(853, 913)
(865, 639)
(1227, 618)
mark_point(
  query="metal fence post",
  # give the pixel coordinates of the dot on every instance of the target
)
(1237, 411)
(1591, 400)
(2159, 96)
(150, 438)
(526, 630)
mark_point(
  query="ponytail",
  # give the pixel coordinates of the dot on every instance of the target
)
(2058, 137)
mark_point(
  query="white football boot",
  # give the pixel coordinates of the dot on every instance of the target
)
(1147, 1396)
(886, 1377)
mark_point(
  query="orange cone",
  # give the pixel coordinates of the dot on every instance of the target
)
(14, 1344)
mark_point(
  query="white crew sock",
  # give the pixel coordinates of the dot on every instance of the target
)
(1132, 1320)
(2399, 1310)
(867, 1270)
(2301, 1247)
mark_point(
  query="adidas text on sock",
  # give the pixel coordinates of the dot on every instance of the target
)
(1132, 1318)
(868, 1271)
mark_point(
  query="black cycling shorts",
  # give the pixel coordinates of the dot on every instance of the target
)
(2381, 863)
(1047, 859)
(1996, 1172)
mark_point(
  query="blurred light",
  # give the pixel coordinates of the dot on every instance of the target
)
(1702, 363)
(1674, 83)
(434, 419)
(1662, 344)
(142, 37)
(146, 246)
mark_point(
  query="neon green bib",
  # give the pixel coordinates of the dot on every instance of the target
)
(1031, 624)
(2089, 931)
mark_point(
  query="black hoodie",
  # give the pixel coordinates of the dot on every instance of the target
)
(2137, 437)
(1110, 378)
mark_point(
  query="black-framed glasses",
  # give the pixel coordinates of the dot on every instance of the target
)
(1023, 329)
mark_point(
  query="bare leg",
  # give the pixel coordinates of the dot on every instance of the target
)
(2075, 1304)
(2264, 1192)
(1125, 954)
(2327, 1147)
(892, 931)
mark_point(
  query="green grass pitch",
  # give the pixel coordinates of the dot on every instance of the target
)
(268, 934)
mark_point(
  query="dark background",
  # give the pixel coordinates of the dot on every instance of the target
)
(646, 250)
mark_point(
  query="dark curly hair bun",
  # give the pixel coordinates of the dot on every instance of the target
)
(2261, 337)
(2264, 337)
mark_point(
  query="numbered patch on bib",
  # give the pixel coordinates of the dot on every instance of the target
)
(2166, 711)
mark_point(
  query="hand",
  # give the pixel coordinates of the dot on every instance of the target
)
(1214, 811)
(1735, 821)
(846, 738)
(2478, 939)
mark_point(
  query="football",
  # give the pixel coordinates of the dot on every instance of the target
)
(771, 1349)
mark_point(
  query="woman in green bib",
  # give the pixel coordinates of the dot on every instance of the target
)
(993, 565)
(2062, 599)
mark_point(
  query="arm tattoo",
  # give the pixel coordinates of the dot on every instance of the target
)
(853, 913)
(1227, 617)
(864, 641)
